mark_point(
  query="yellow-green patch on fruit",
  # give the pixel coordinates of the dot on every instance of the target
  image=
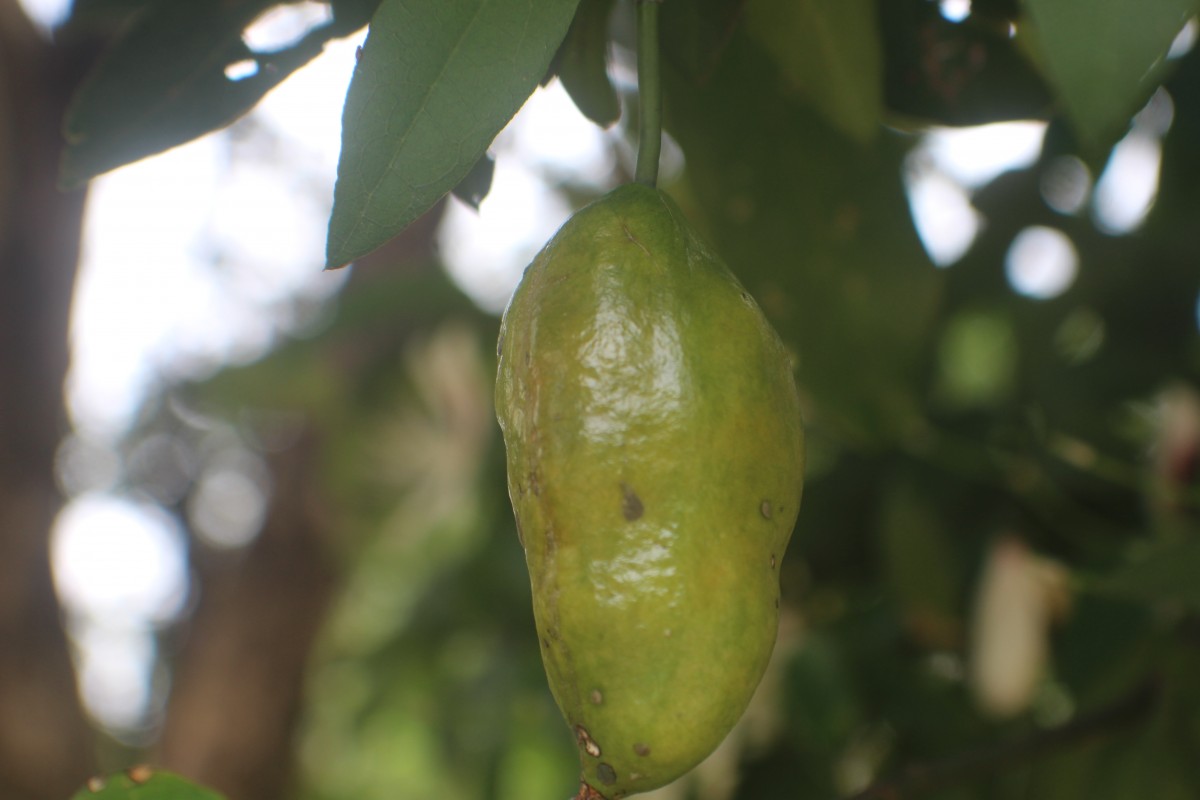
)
(655, 463)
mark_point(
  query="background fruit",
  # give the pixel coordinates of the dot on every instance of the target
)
(655, 461)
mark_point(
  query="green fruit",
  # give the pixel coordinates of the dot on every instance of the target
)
(655, 462)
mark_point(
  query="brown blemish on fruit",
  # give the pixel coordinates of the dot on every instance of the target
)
(606, 774)
(588, 793)
(641, 749)
(596, 697)
(140, 774)
(96, 784)
(765, 509)
(586, 741)
(631, 505)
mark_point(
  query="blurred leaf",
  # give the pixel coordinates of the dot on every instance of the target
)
(922, 568)
(1162, 573)
(818, 230)
(583, 63)
(102, 16)
(358, 12)
(1148, 764)
(434, 86)
(475, 186)
(163, 82)
(1105, 57)
(968, 73)
(977, 359)
(141, 783)
(1103, 648)
(822, 704)
(830, 51)
(695, 33)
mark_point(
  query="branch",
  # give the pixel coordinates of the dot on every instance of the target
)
(917, 779)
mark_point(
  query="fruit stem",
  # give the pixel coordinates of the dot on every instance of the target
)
(649, 94)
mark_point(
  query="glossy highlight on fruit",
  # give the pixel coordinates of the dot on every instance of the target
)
(655, 464)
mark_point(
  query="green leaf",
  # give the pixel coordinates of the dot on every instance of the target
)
(830, 50)
(1104, 57)
(435, 84)
(142, 783)
(1162, 573)
(583, 63)
(163, 82)
(473, 188)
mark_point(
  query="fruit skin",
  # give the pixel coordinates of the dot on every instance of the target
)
(655, 464)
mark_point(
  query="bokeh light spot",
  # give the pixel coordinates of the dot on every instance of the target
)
(945, 220)
(1065, 184)
(955, 10)
(229, 504)
(116, 559)
(1041, 262)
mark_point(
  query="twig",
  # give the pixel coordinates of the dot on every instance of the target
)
(916, 779)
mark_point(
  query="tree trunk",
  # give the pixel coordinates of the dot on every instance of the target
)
(239, 681)
(45, 742)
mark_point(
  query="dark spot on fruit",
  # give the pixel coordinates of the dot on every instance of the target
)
(641, 749)
(765, 509)
(631, 504)
(587, 742)
(606, 774)
(535, 483)
(545, 644)
(596, 697)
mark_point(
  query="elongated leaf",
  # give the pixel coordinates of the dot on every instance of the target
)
(163, 82)
(1165, 573)
(142, 783)
(435, 84)
(1105, 56)
(831, 51)
(583, 63)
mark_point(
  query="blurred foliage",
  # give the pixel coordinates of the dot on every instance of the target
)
(143, 783)
(945, 410)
